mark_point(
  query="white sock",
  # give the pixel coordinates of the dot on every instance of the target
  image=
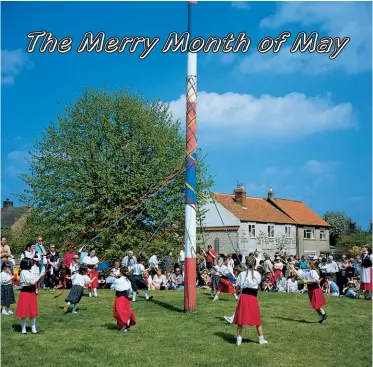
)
(23, 325)
(95, 292)
(134, 296)
(90, 294)
(261, 338)
(216, 298)
(75, 307)
(146, 294)
(33, 325)
(322, 312)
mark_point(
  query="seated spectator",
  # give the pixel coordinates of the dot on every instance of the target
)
(352, 290)
(114, 274)
(281, 284)
(177, 280)
(101, 282)
(292, 285)
(331, 288)
(267, 285)
(159, 281)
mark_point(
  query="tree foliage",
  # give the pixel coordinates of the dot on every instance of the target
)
(105, 151)
(341, 225)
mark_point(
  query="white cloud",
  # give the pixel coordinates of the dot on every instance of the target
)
(232, 116)
(16, 163)
(334, 19)
(13, 62)
(241, 4)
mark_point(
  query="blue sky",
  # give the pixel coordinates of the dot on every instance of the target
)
(298, 122)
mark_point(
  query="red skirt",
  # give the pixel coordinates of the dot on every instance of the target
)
(317, 298)
(225, 286)
(27, 305)
(123, 313)
(366, 287)
(247, 311)
(92, 274)
(277, 275)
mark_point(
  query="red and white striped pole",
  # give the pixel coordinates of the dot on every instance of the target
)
(190, 300)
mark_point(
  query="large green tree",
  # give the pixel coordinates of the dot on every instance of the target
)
(341, 225)
(105, 151)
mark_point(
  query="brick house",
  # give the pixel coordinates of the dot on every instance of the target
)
(236, 223)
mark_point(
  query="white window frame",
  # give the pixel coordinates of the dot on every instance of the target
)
(312, 231)
(270, 228)
(322, 232)
(252, 230)
(287, 231)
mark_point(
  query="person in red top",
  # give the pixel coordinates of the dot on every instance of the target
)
(210, 257)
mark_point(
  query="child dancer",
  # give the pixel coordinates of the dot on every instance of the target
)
(92, 261)
(225, 283)
(27, 305)
(137, 280)
(315, 292)
(78, 279)
(122, 305)
(7, 293)
(247, 310)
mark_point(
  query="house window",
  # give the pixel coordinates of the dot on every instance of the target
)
(287, 231)
(252, 230)
(217, 245)
(309, 234)
(271, 231)
(322, 234)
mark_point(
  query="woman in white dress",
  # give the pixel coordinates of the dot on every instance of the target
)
(92, 261)
(366, 273)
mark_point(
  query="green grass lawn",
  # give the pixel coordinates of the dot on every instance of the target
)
(165, 336)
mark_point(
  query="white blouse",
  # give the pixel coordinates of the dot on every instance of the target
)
(78, 279)
(26, 278)
(246, 280)
(90, 260)
(5, 278)
(122, 284)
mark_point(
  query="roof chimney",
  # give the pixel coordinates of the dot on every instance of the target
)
(240, 195)
(271, 194)
(7, 203)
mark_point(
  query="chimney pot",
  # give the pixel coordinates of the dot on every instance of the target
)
(240, 195)
(271, 194)
(7, 203)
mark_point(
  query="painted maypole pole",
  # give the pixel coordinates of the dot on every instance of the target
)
(190, 301)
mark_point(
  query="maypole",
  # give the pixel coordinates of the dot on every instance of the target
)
(190, 179)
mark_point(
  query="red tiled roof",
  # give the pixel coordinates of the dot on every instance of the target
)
(301, 213)
(207, 229)
(254, 210)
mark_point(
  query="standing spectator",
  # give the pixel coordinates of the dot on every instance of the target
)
(5, 252)
(268, 269)
(153, 265)
(303, 263)
(168, 262)
(53, 268)
(230, 261)
(181, 257)
(210, 257)
(366, 273)
(40, 250)
(29, 251)
(333, 268)
(356, 263)
(127, 259)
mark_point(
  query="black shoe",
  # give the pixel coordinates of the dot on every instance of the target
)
(323, 318)
(150, 298)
